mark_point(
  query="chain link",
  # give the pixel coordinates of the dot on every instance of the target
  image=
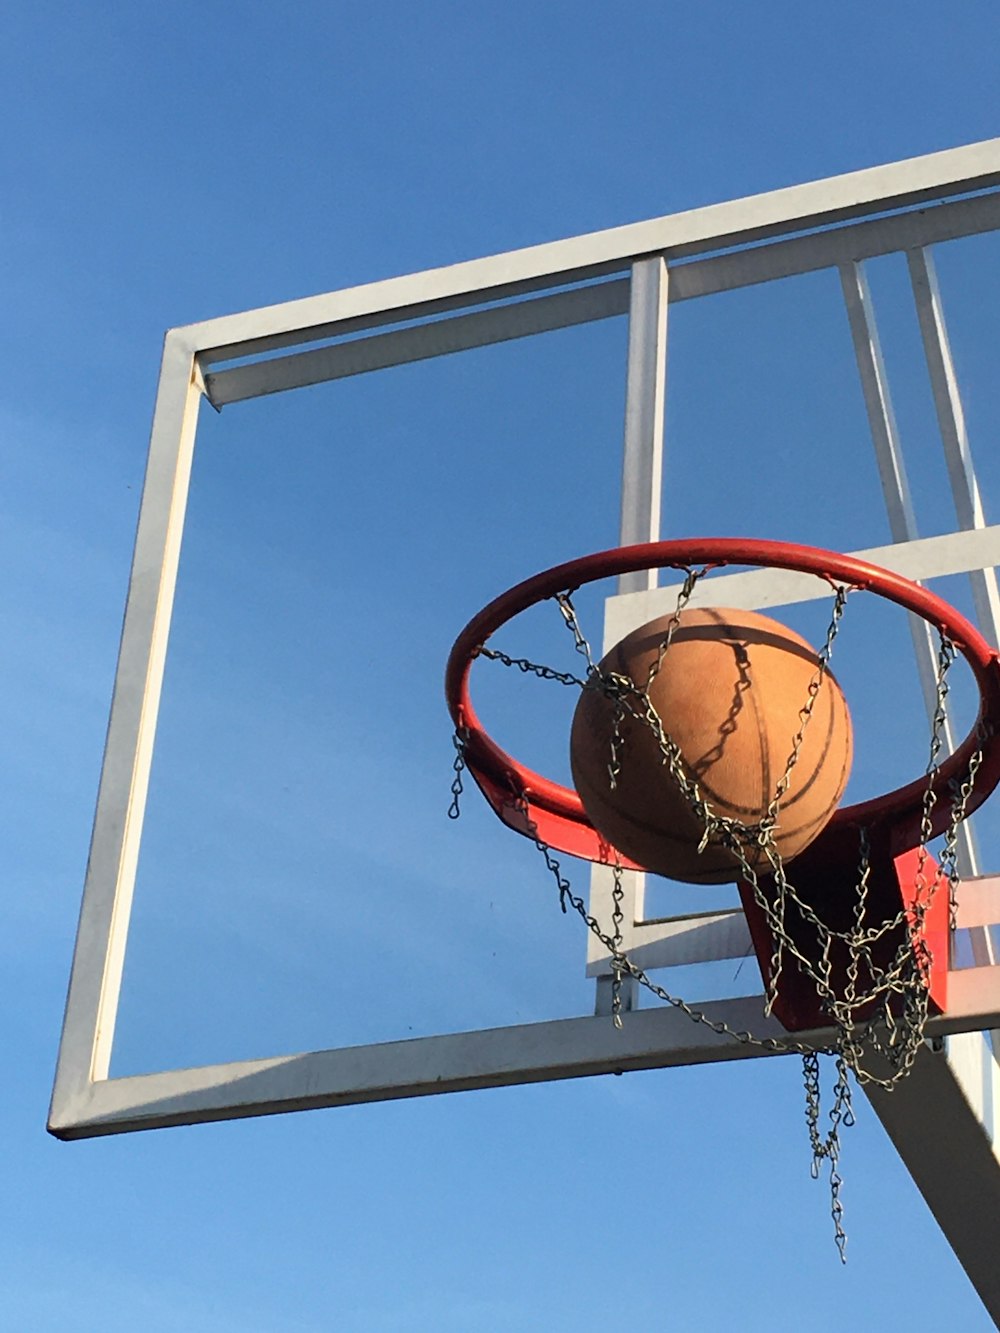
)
(827, 1148)
(617, 918)
(459, 741)
(961, 792)
(565, 602)
(531, 668)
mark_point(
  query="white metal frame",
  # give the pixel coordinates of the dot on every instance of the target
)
(639, 270)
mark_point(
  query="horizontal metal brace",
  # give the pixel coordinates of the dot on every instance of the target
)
(709, 937)
(680, 942)
(798, 208)
(829, 249)
(756, 589)
(580, 305)
(498, 1057)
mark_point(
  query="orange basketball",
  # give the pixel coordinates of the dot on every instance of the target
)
(729, 693)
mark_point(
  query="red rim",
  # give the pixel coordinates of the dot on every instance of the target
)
(555, 814)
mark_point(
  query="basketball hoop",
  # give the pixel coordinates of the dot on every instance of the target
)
(848, 965)
(870, 965)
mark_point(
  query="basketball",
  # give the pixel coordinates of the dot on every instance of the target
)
(729, 692)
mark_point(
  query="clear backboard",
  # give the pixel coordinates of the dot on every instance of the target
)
(331, 793)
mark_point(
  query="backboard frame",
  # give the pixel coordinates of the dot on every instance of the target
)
(640, 270)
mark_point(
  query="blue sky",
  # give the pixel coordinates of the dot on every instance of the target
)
(300, 885)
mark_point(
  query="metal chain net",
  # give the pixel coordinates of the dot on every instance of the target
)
(879, 1016)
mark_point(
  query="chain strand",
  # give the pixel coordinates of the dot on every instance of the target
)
(880, 1016)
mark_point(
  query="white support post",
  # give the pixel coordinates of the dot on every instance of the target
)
(942, 1120)
(642, 481)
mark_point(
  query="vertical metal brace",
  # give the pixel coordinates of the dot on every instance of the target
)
(642, 480)
(898, 502)
(645, 389)
(951, 422)
(92, 1003)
